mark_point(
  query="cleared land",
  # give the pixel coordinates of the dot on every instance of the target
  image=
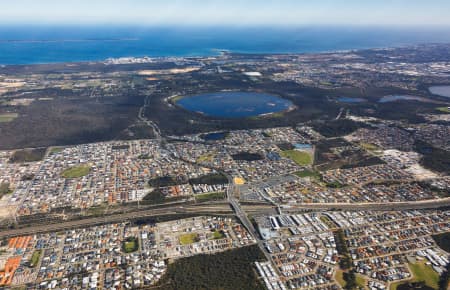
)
(4, 189)
(443, 109)
(76, 171)
(8, 117)
(369, 146)
(188, 239)
(300, 157)
(210, 196)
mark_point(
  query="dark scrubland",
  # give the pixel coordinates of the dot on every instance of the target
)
(210, 179)
(433, 158)
(71, 117)
(233, 269)
(28, 155)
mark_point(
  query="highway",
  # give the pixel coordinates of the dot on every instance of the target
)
(233, 207)
(223, 209)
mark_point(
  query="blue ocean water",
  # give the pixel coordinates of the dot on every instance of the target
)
(234, 104)
(44, 44)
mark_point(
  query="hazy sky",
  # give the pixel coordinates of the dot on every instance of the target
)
(227, 12)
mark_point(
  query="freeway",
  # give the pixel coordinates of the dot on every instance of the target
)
(224, 208)
(219, 209)
(240, 211)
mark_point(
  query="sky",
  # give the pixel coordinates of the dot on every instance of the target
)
(227, 12)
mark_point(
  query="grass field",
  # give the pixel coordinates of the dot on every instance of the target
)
(35, 258)
(443, 109)
(76, 171)
(207, 157)
(187, 239)
(55, 150)
(369, 146)
(308, 173)
(5, 189)
(421, 273)
(209, 196)
(8, 117)
(218, 235)
(130, 245)
(299, 157)
(360, 280)
(340, 278)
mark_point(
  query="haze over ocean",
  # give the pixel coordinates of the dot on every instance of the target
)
(49, 44)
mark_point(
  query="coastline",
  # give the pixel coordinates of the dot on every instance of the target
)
(50, 45)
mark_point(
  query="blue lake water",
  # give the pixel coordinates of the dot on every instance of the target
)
(301, 146)
(46, 44)
(351, 100)
(394, 98)
(234, 104)
(214, 136)
(443, 91)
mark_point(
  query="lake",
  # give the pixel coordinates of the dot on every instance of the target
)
(215, 136)
(443, 91)
(234, 104)
(351, 100)
(394, 98)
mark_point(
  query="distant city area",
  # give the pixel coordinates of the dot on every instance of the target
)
(286, 171)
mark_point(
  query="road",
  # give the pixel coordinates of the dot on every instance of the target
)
(242, 216)
(153, 125)
(232, 207)
(176, 210)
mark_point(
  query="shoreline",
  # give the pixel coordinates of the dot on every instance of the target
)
(213, 52)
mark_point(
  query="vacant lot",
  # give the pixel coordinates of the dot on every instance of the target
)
(76, 171)
(187, 239)
(4, 189)
(7, 117)
(299, 157)
(28, 155)
(210, 196)
(218, 235)
(308, 173)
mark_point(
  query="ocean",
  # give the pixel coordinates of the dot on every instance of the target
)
(45, 44)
